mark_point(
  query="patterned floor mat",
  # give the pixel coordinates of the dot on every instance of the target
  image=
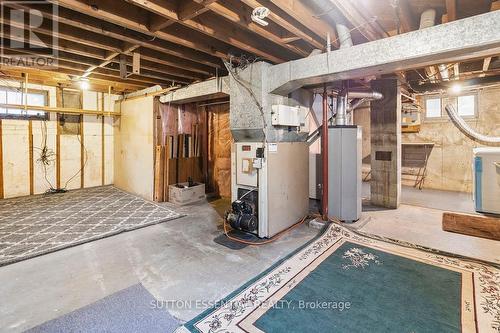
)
(36, 225)
(348, 281)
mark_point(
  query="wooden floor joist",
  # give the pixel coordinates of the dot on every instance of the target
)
(472, 225)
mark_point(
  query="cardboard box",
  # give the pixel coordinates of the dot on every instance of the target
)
(186, 195)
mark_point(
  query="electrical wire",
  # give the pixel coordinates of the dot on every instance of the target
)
(83, 166)
(234, 74)
(270, 240)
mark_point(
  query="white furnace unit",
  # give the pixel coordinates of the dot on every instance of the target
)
(270, 186)
(487, 180)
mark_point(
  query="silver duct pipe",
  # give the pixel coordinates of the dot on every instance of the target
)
(356, 104)
(341, 117)
(364, 97)
(344, 34)
(342, 105)
(369, 94)
(467, 130)
(427, 20)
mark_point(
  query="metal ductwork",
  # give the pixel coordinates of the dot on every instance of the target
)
(358, 98)
(344, 34)
(467, 130)
(430, 87)
(341, 117)
(427, 20)
(369, 94)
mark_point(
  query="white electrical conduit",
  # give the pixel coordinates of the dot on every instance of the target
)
(467, 130)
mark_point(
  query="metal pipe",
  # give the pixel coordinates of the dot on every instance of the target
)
(356, 104)
(344, 34)
(467, 130)
(214, 103)
(340, 118)
(324, 148)
(370, 94)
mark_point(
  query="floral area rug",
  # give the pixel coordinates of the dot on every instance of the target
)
(345, 281)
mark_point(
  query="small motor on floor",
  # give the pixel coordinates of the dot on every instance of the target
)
(242, 216)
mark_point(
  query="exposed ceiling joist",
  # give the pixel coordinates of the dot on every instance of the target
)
(137, 21)
(242, 16)
(367, 26)
(210, 27)
(318, 42)
(451, 10)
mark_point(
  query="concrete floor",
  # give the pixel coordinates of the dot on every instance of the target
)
(178, 260)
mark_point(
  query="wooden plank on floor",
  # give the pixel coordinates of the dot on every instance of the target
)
(472, 225)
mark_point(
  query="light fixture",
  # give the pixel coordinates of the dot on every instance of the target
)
(259, 14)
(456, 88)
(84, 84)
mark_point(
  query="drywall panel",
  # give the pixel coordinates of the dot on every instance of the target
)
(44, 175)
(70, 167)
(92, 141)
(133, 164)
(15, 149)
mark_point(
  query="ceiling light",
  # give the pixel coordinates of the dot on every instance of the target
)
(456, 88)
(259, 14)
(84, 84)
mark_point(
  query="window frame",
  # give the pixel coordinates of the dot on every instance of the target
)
(453, 99)
(45, 116)
(476, 105)
(428, 97)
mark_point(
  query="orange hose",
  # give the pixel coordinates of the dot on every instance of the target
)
(278, 235)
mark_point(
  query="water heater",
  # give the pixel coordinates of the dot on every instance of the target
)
(344, 172)
(486, 166)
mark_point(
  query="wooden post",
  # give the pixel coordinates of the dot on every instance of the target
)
(1, 162)
(30, 143)
(159, 174)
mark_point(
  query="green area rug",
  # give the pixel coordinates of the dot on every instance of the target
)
(345, 281)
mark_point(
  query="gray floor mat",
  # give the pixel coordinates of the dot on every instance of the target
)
(40, 224)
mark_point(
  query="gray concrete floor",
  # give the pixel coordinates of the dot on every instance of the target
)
(178, 260)
(428, 198)
(175, 260)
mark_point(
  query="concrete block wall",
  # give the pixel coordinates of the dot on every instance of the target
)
(450, 162)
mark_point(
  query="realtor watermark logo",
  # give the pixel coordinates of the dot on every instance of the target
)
(29, 34)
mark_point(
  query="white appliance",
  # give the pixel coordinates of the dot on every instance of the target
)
(486, 166)
(284, 115)
(270, 186)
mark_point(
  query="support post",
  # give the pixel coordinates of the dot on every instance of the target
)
(324, 153)
(385, 135)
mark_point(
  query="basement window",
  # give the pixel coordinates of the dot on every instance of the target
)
(466, 105)
(433, 107)
(13, 97)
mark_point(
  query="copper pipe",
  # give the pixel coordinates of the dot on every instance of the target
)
(324, 153)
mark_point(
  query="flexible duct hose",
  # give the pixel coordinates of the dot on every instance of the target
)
(467, 130)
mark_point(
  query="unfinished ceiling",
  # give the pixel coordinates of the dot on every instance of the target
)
(185, 41)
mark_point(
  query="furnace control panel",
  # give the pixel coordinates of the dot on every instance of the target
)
(247, 163)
